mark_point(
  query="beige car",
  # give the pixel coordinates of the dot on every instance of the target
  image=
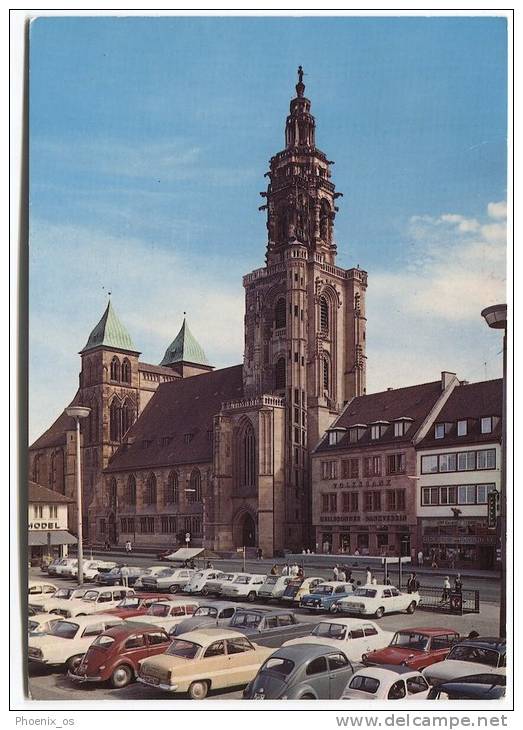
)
(199, 661)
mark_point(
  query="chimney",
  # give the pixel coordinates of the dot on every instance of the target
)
(446, 379)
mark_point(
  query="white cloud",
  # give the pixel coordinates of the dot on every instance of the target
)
(497, 210)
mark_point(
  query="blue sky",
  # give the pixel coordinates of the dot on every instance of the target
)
(149, 138)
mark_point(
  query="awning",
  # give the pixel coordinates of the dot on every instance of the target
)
(58, 537)
(184, 554)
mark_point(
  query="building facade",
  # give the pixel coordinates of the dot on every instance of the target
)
(47, 522)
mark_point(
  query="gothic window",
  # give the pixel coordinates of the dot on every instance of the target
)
(57, 471)
(324, 314)
(150, 489)
(280, 313)
(248, 458)
(113, 491)
(326, 375)
(194, 493)
(126, 371)
(92, 425)
(280, 374)
(171, 489)
(37, 468)
(357, 302)
(115, 432)
(131, 490)
(115, 369)
(127, 416)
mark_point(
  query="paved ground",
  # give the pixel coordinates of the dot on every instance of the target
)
(50, 684)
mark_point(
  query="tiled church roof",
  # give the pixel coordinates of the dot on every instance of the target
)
(38, 493)
(55, 434)
(184, 348)
(110, 332)
(176, 425)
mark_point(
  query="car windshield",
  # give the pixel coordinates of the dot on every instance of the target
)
(206, 611)
(130, 602)
(158, 609)
(364, 684)
(115, 571)
(90, 596)
(323, 590)
(165, 572)
(185, 649)
(243, 579)
(103, 642)
(64, 629)
(365, 593)
(228, 577)
(410, 640)
(33, 625)
(278, 665)
(64, 593)
(271, 580)
(246, 619)
(332, 631)
(476, 654)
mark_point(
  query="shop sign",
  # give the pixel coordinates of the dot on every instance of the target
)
(361, 483)
(386, 518)
(43, 526)
(460, 539)
(340, 518)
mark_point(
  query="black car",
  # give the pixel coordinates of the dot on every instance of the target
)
(474, 687)
(268, 628)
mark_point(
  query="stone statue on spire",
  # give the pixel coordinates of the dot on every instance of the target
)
(300, 86)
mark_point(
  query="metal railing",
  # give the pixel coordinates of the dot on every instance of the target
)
(452, 602)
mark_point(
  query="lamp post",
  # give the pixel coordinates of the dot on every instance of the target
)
(78, 412)
(496, 317)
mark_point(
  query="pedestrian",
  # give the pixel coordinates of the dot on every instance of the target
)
(209, 565)
(128, 547)
(300, 573)
(368, 576)
(388, 581)
(341, 574)
(420, 558)
(357, 552)
(374, 581)
(335, 573)
(308, 551)
(124, 572)
(303, 552)
(446, 590)
(348, 573)
(285, 569)
(107, 545)
(458, 583)
(274, 569)
(295, 569)
(259, 553)
(412, 584)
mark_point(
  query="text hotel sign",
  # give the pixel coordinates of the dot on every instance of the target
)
(43, 526)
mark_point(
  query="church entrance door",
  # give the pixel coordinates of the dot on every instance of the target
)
(244, 532)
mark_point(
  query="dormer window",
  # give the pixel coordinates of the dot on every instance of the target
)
(356, 432)
(377, 429)
(336, 435)
(375, 432)
(401, 426)
(486, 424)
(439, 431)
(462, 428)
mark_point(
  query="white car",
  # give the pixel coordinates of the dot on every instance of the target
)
(380, 683)
(244, 585)
(40, 588)
(94, 600)
(472, 656)
(41, 623)
(92, 568)
(200, 578)
(153, 570)
(68, 640)
(353, 636)
(214, 587)
(376, 600)
(169, 613)
(63, 567)
(172, 580)
(274, 586)
(46, 602)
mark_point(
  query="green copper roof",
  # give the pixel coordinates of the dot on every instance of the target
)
(110, 332)
(185, 348)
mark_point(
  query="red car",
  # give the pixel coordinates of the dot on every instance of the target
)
(114, 655)
(137, 605)
(416, 648)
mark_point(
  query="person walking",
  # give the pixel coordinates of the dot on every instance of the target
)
(274, 569)
(259, 553)
(374, 581)
(335, 572)
(420, 558)
(300, 573)
(368, 576)
(348, 573)
(341, 574)
(446, 590)
(285, 569)
(412, 584)
(458, 583)
(128, 547)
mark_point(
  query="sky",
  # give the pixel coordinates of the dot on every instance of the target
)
(149, 139)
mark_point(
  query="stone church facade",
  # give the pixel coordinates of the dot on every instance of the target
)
(225, 455)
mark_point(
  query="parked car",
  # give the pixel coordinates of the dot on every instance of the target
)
(61, 567)
(40, 588)
(171, 580)
(67, 569)
(114, 577)
(169, 613)
(207, 614)
(299, 587)
(200, 578)
(68, 640)
(386, 683)
(92, 568)
(353, 636)
(474, 687)
(152, 570)
(244, 585)
(274, 587)
(416, 648)
(376, 600)
(204, 660)
(51, 568)
(41, 623)
(471, 656)
(302, 672)
(267, 628)
(47, 601)
(324, 595)
(214, 587)
(114, 656)
(136, 604)
(94, 600)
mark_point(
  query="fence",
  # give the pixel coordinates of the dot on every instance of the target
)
(457, 603)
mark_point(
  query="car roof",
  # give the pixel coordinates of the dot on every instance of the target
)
(266, 611)
(384, 671)
(32, 583)
(206, 635)
(126, 628)
(431, 630)
(299, 652)
(93, 618)
(490, 642)
(179, 601)
(42, 617)
(222, 604)
(335, 583)
(348, 621)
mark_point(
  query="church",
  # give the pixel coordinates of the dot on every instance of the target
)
(225, 454)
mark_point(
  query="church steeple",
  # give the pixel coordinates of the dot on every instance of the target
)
(300, 125)
(110, 333)
(185, 355)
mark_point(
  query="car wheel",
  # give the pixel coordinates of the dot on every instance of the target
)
(174, 589)
(307, 697)
(73, 663)
(411, 607)
(121, 676)
(198, 690)
(251, 597)
(379, 612)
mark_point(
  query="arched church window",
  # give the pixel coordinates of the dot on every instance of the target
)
(113, 492)
(93, 422)
(326, 375)
(115, 369)
(131, 489)
(150, 489)
(126, 371)
(248, 458)
(280, 374)
(324, 314)
(280, 313)
(127, 416)
(115, 432)
(194, 493)
(37, 468)
(171, 489)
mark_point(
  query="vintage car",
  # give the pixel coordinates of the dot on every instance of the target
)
(68, 640)
(200, 578)
(40, 588)
(274, 587)
(267, 628)
(137, 604)
(91, 569)
(115, 577)
(386, 683)
(51, 568)
(353, 636)
(47, 602)
(244, 585)
(325, 594)
(169, 613)
(114, 656)
(172, 580)
(207, 614)
(41, 623)
(214, 587)
(302, 672)
(94, 600)
(299, 587)
(416, 648)
(376, 600)
(203, 660)
(474, 687)
(61, 567)
(151, 571)
(471, 656)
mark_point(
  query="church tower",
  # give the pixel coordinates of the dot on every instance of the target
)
(305, 316)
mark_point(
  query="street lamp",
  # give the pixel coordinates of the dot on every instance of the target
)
(496, 317)
(78, 412)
